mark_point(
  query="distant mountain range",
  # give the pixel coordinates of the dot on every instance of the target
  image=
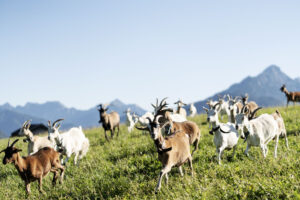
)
(11, 118)
(263, 88)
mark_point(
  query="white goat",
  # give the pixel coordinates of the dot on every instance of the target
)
(259, 131)
(35, 143)
(129, 122)
(71, 142)
(143, 119)
(193, 110)
(224, 110)
(225, 135)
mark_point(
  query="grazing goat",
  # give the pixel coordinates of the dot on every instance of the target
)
(130, 122)
(282, 131)
(173, 150)
(290, 96)
(225, 135)
(193, 110)
(109, 121)
(36, 166)
(70, 142)
(180, 110)
(259, 131)
(35, 143)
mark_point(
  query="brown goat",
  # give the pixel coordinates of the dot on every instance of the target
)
(290, 96)
(109, 121)
(188, 127)
(36, 166)
(249, 106)
(173, 150)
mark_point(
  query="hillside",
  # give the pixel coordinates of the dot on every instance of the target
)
(11, 118)
(128, 168)
(263, 88)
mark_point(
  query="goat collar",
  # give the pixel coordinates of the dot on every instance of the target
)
(159, 148)
(216, 129)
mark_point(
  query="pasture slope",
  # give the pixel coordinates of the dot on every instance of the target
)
(127, 168)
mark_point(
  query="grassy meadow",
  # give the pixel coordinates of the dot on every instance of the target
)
(128, 168)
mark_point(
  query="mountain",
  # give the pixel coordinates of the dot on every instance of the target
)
(263, 88)
(11, 118)
(10, 121)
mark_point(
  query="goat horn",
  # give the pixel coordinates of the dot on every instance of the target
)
(25, 123)
(14, 142)
(253, 113)
(149, 119)
(54, 123)
(215, 106)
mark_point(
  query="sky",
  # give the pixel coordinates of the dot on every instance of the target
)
(82, 53)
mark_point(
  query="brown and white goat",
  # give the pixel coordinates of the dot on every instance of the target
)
(109, 121)
(35, 167)
(290, 96)
(173, 150)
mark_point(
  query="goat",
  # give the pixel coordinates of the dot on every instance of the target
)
(282, 131)
(225, 135)
(130, 122)
(180, 110)
(233, 105)
(35, 143)
(36, 166)
(193, 110)
(70, 142)
(190, 128)
(173, 150)
(224, 107)
(109, 121)
(290, 96)
(258, 132)
(251, 106)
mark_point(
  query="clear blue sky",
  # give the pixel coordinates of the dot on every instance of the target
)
(86, 52)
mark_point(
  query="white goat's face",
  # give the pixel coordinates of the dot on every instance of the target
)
(53, 133)
(240, 120)
(212, 115)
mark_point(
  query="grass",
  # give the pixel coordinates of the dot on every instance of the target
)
(127, 168)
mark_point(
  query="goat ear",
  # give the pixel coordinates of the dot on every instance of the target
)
(2, 151)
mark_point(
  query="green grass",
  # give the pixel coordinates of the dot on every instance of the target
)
(128, 168)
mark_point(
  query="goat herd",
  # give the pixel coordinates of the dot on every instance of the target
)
(170, 130)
